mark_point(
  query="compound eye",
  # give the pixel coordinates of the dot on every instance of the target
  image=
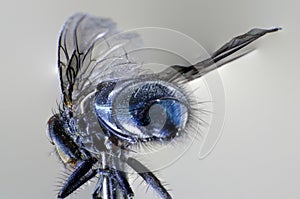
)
(144, 110)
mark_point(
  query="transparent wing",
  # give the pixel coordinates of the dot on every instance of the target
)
(201, 68)
(91, 49)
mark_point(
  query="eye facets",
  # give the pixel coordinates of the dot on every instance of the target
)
(143, 109)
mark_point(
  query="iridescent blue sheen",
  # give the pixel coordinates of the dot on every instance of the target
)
(154, 110)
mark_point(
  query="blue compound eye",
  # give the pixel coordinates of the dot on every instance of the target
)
(142, 109)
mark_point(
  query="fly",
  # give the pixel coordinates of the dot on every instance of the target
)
(109, 105)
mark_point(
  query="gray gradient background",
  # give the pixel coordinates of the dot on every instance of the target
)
(258, 154)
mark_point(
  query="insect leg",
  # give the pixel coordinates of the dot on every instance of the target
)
(112, 188)
(122, 180)
(106, 185)
(149, 177)
(98, 188)
(123, 183)
(82, 174)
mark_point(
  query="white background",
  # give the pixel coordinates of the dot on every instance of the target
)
(258, 153)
